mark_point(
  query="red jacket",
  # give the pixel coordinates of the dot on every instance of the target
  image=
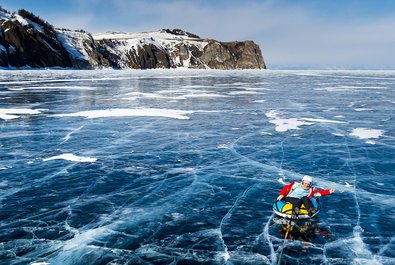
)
(313, 192)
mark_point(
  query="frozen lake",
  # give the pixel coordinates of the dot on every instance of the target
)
(182, 167)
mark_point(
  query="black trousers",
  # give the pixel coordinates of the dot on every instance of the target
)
(298, 202)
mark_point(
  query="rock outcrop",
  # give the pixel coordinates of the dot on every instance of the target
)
(233, 55)
(82, 49)
(28, 41)
(177, 48)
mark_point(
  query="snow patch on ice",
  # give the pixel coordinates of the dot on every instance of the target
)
(343, 88)
(283, 125)
(177, 216)
(53, 88)
(322, 120)
(71, 157)
(9, 114)
(281, 180)
(3, 183)
(203, 95)
(348, 185)
(146, 112)
(366, 133)
(182, 170)
(81, 239)
(225, 146)
(236, 93)
(362, 109)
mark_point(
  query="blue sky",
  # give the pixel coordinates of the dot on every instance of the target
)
(313, 34)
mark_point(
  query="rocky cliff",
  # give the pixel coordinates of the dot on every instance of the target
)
(28, 41)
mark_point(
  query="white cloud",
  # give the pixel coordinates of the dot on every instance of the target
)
(358, 43)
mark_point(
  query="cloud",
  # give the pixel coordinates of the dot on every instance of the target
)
(359, 43)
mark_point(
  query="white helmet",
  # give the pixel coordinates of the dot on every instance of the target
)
(307, 178)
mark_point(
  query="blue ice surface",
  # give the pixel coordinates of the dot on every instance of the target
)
(182, 167)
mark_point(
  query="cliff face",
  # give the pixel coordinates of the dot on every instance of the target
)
(27, 44)
(83, 51)
(27, 41)
(176, 48)
(233, 55)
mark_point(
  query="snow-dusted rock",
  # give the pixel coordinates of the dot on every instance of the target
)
(82, 48)
(28, 41)
(177, 48)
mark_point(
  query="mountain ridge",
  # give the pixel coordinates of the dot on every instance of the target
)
(27, 41)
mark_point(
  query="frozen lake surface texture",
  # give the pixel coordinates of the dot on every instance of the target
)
(182, 167)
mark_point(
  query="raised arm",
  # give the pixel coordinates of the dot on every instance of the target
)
(318, 193)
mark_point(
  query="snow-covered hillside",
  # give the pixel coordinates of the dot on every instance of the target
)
(177, 49)
(179, 46)
(82, 49)
(28, 41)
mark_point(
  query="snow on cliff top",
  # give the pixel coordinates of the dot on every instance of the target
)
(24, 22)
(74, 41)
(154, 34)
(162, 39)
(158, 38)
(4, 15)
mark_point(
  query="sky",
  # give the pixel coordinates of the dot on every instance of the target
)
(292, 34)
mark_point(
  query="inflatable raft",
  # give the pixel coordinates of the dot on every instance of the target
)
(284, 209)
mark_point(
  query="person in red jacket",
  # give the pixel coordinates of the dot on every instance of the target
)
(300, 193)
